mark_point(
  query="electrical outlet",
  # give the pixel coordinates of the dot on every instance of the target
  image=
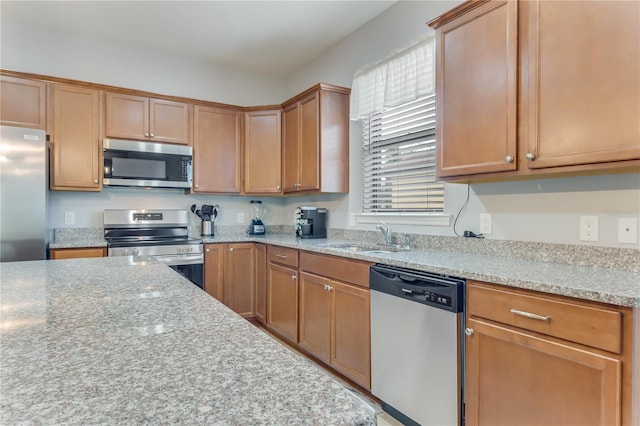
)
(240, 218)
(485, 224)
(628, 230)
(588, 228)
(69, 218)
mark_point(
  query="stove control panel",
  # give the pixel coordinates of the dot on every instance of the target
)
(147, 216)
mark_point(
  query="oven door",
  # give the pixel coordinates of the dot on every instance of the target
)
(189, 266)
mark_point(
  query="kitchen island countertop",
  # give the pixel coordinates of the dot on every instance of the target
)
(107, 340)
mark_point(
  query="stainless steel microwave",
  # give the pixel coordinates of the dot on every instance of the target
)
(147, 164)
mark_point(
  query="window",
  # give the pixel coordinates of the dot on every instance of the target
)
(399, 159)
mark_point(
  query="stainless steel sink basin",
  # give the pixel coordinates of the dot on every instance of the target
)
(367, 248)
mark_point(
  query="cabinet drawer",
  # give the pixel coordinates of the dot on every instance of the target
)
(283, 256)
(337, 268)
(591, 325)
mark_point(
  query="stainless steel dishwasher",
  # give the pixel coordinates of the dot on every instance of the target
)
(417, 353)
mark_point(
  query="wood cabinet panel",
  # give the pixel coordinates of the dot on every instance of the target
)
(263, 152)
(290, 149)
(309, 143)
(214, 270)
(315, 316)
(75, 138)
(23, 102)
(261, 282)
(512, 376)
(127, 116)
(76, 253)
(283, 255)
(282, 301)
(168, 121)
(335, 267)
(216, 150)
(239, 278)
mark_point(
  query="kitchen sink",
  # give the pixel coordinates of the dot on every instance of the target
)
(366, 248)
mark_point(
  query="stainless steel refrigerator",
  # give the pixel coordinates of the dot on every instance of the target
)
(23, 194)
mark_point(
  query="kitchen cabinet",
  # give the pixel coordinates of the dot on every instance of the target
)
(528, 88)
(282, 292)
(263, 152)
(230, 275)
(143, 118)
(315, 154)
(217, 144)
(76, 253)
(75, 126)
(23, 102)
(334, 321)
(261, 282)
(549, 359)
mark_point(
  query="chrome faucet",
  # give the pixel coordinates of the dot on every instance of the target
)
(386, 232)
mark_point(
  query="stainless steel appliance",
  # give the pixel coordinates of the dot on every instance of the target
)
(417, 345)
(160, 235)
(23, 194)
(147, 164)
(311, 222)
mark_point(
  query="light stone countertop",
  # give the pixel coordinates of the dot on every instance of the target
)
(109, 341)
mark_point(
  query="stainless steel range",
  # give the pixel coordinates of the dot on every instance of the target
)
(159, 235)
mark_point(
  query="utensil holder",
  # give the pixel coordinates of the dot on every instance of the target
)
(206, 228)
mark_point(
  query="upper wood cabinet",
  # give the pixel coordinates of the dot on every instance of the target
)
(535, 87)
(23, 102)
(75, 123)
(315, 152)
(263, 152)
(217, 144)
(143, 118)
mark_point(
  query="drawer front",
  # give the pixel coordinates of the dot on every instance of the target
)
(595, 326)
(337, 268)
(283, 256)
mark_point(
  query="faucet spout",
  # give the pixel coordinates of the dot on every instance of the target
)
(386, 232)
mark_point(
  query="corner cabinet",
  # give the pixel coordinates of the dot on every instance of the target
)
(23, 102)
(217, 145)
(315, 153)
(547, 359)
(553, 102)
(263, 152)
(75, 129)
(151, 119)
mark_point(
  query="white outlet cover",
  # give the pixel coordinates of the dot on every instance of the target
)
(485, 224)
(240, 218)
(628, 230)
(69, 218)
(588, 228)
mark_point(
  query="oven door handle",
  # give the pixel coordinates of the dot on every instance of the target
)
(179, 259)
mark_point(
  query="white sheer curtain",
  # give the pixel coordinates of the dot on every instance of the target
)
(402, 77)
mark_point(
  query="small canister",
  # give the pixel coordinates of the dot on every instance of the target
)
(206, 228)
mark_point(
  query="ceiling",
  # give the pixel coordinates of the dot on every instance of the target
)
(273, 38)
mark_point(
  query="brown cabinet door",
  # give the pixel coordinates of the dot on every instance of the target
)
(239, 278)
(350, 331)
(168, 121)
(23, 103)
(261, 282)
(309, 145)
(216, 150)
(582, 62)
(476, 71)
(512, 375)
(75, 138)
(127, 116)
(282, 301)
(315, 315)
(76, 253)
(290, 149)
(214, 270)
(263, 152)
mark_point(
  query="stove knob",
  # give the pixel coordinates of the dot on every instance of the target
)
(135, 251)
(190, 249)
(126, 252)
(179, 249)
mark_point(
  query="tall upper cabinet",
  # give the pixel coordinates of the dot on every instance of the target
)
(315, 153)
(24, 102)
(262, 151)
(537, 87)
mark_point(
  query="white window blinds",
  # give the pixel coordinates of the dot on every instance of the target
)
(399, 159)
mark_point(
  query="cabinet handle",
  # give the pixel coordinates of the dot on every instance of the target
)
(196, 185)
(230, 248)
(152, 135)
(278, 187)
(95, 181)
(207, 250)
(509, 159)
(330, 288)
(281, 256)
(531, 156)
(146, 135)
(293, 277)
(468, 331)
(530, 315)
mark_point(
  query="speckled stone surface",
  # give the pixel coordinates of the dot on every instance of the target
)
(77, 238)
(106, 341)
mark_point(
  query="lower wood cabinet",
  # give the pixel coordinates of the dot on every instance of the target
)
(229, 275)
(261, 282)
(568, 363)
(74, 253)
(282, 301)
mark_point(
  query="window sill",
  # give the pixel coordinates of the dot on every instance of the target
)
(413, 219)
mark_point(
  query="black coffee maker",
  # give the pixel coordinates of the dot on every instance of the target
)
(311, 222)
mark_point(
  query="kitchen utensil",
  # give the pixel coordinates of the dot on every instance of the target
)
(199, 214)
(193, 208)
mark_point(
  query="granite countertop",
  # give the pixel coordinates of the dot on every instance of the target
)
(106, 340)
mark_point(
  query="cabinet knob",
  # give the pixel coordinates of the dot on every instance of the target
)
(152, 135)
(196, 185)
(293, 277)
(330, 288)
(146, 135)
(230, 248)
(531, 156)
(95, 181)
(509, 159)
(278, 187)
(207, 250)
(468, 331)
